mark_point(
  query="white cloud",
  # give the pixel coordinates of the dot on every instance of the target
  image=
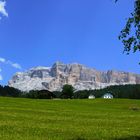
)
(2, 60)
(1, 78)
(8, 62)
(15, 65)
(2, 8)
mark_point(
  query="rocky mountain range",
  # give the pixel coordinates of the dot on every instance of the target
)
(79, 76)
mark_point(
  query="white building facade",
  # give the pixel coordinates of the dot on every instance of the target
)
(108, 96)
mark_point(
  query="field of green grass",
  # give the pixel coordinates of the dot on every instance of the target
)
(99, 119)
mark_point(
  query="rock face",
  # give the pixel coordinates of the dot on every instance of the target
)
(80, 77)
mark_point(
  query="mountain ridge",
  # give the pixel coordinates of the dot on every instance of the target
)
(78, 75)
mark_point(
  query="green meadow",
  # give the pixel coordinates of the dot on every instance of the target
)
(99, 119)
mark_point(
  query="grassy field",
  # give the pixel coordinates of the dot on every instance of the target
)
(99, 119)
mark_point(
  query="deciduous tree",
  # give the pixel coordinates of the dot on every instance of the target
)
(130, 34)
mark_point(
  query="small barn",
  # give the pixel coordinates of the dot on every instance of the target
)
(91, 97)
(108, 96)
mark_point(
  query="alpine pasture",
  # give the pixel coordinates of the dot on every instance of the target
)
(98, 119)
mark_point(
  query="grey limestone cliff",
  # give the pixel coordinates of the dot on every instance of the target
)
(77, 75)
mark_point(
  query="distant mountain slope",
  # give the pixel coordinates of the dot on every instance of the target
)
(77, 75)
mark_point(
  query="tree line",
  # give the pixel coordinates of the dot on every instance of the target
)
(68, 92)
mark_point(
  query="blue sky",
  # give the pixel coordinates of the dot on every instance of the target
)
(38, 33)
